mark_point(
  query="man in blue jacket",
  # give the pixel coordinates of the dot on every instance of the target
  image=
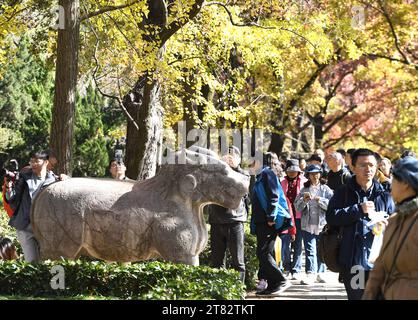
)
(349, 209)
(269, 202)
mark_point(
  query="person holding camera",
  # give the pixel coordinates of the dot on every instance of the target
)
(9, 178)
(20, 196)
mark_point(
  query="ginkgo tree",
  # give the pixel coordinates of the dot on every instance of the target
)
(285, 66)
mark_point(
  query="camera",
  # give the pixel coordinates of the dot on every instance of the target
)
(119, 156)
(13, 173)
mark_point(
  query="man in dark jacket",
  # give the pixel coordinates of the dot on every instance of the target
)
(338, 175)
(349, 209)
(227, 225)
(20, 199)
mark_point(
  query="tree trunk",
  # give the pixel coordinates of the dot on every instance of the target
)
(144, 102)
(296, 135)
(144, 105)
(306, 146)
(277, 143)
(63, 112)
(319, 131)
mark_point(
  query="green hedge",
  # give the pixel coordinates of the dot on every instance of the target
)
(147, 280)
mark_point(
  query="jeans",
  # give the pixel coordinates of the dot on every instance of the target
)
(229, 236)
(297, 249)
(313, 264)
(266, 237)
(286, 262)
(29, 244)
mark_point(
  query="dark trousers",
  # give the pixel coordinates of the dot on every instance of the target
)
(229, 236)
(353, 287)
(266, 237)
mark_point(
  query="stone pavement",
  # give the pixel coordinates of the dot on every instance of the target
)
(331, 290)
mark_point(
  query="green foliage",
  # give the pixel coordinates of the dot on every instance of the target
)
(25, 103)
(146, 280)
(90, 154)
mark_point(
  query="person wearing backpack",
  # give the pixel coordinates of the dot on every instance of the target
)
(269, 207)
(312, 201)
(349, 210)
(20, 197)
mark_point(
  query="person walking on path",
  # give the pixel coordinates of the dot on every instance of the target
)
(268, 202)
(349, 210)
(395, 272)
(312, 201)
(291, 184)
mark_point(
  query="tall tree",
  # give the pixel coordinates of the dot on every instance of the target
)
(63, 112)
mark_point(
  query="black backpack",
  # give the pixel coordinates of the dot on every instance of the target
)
(329, 247)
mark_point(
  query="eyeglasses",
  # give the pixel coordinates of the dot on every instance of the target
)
(114, 165)
(39, 161)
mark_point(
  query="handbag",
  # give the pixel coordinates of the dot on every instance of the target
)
(329, 244)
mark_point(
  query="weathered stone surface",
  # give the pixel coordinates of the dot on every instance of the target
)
(131, 221)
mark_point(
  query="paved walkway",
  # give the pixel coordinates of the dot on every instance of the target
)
(331, 290)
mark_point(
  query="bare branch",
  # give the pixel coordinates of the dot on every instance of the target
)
(254, 24)
(381, 56)
(183, 59)
(340, 117)
(231, 18)
(177, 24)
(123, 34)
(379, 144)
(107, 9)
(97, 84)
(392, 29)
(307, 85)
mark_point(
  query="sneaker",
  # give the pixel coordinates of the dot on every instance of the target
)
(276, 290)
(308, 280)
(262, 285)
(296, 276)
(320, 279)
(287, 275)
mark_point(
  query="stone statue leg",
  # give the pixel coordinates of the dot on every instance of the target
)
(178, 245)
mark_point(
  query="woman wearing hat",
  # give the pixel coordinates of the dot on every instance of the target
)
(312, 201)
(291, 184)
(395, 272)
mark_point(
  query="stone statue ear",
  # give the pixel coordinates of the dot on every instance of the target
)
(187, 184)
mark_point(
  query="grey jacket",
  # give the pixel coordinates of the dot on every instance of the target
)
(309, 214)
(21, 199)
